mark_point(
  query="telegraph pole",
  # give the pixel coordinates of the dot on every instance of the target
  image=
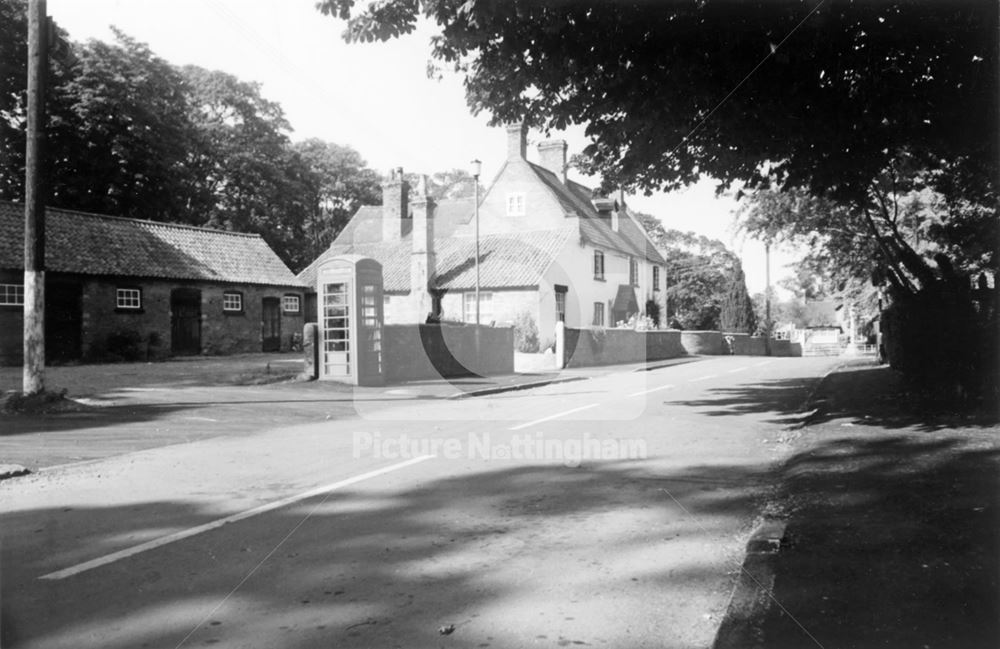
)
(34, 203)
(767, 297)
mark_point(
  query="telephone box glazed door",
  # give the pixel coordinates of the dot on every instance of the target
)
(336, 312)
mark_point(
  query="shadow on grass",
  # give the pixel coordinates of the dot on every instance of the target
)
(866, 394)
(891, 541)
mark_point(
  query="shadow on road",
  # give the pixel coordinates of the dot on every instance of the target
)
(386, 569)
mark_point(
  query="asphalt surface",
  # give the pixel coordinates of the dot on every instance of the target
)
(612, 511)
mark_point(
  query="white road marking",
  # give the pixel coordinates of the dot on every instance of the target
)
(200, 419)
(555, 416)
(703, 378)
(184, 534)
(738, 369)
(662, 387)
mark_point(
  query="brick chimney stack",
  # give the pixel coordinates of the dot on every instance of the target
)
(517, 141)
(553, 155)
(422, 257)
(395, 206)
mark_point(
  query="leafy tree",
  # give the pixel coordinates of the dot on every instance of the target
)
(338, 183)
(806, 284)
(828, 92)
(699, 272)
(13, 97)
(116, 127)
(247, 173)
(738, 310)
(128, 109)
(894, 240)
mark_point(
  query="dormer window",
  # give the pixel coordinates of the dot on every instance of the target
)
(614, 221)
(515, 204)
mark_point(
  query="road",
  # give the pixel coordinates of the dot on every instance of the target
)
(609, 512)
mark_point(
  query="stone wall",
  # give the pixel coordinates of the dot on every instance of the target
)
(585, 347)
(747, 345)
(413, 352)
(704, 343)
(785, 348)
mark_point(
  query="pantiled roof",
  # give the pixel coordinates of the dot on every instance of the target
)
(94, 244)
(511, 260)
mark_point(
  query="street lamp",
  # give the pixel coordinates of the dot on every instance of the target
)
(476, 168)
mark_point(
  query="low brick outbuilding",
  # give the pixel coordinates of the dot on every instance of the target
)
(137, 289)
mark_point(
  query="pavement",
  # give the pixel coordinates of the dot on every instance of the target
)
(884, 528)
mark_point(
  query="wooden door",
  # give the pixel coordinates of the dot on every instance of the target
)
(271, 324)
(185, 321)
(63, 322)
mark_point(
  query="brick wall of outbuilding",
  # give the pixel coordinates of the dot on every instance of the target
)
(221, 333)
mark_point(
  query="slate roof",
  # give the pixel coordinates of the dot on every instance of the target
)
(511, 260)
(95, 244)
(595, 229)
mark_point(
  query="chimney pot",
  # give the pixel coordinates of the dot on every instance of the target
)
(395, 206)
(517, 141)
(553, 155)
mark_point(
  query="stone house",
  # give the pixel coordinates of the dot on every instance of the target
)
(549, 247)
(157, 288)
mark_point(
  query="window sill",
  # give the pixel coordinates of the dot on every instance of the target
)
(600, 279)
(234, 313)
(121, 310)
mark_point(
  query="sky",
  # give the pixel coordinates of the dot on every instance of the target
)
(376, 98)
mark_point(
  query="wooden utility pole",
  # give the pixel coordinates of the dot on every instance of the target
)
(767, 297)
(34, 203)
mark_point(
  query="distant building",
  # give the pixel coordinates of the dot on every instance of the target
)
(549, 247)
(164, 289)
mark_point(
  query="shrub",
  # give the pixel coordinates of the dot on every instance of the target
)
(525, 333)
(124, 345)
(653, 312)
(597, 337)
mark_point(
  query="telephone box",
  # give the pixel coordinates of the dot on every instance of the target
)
(349, 290)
